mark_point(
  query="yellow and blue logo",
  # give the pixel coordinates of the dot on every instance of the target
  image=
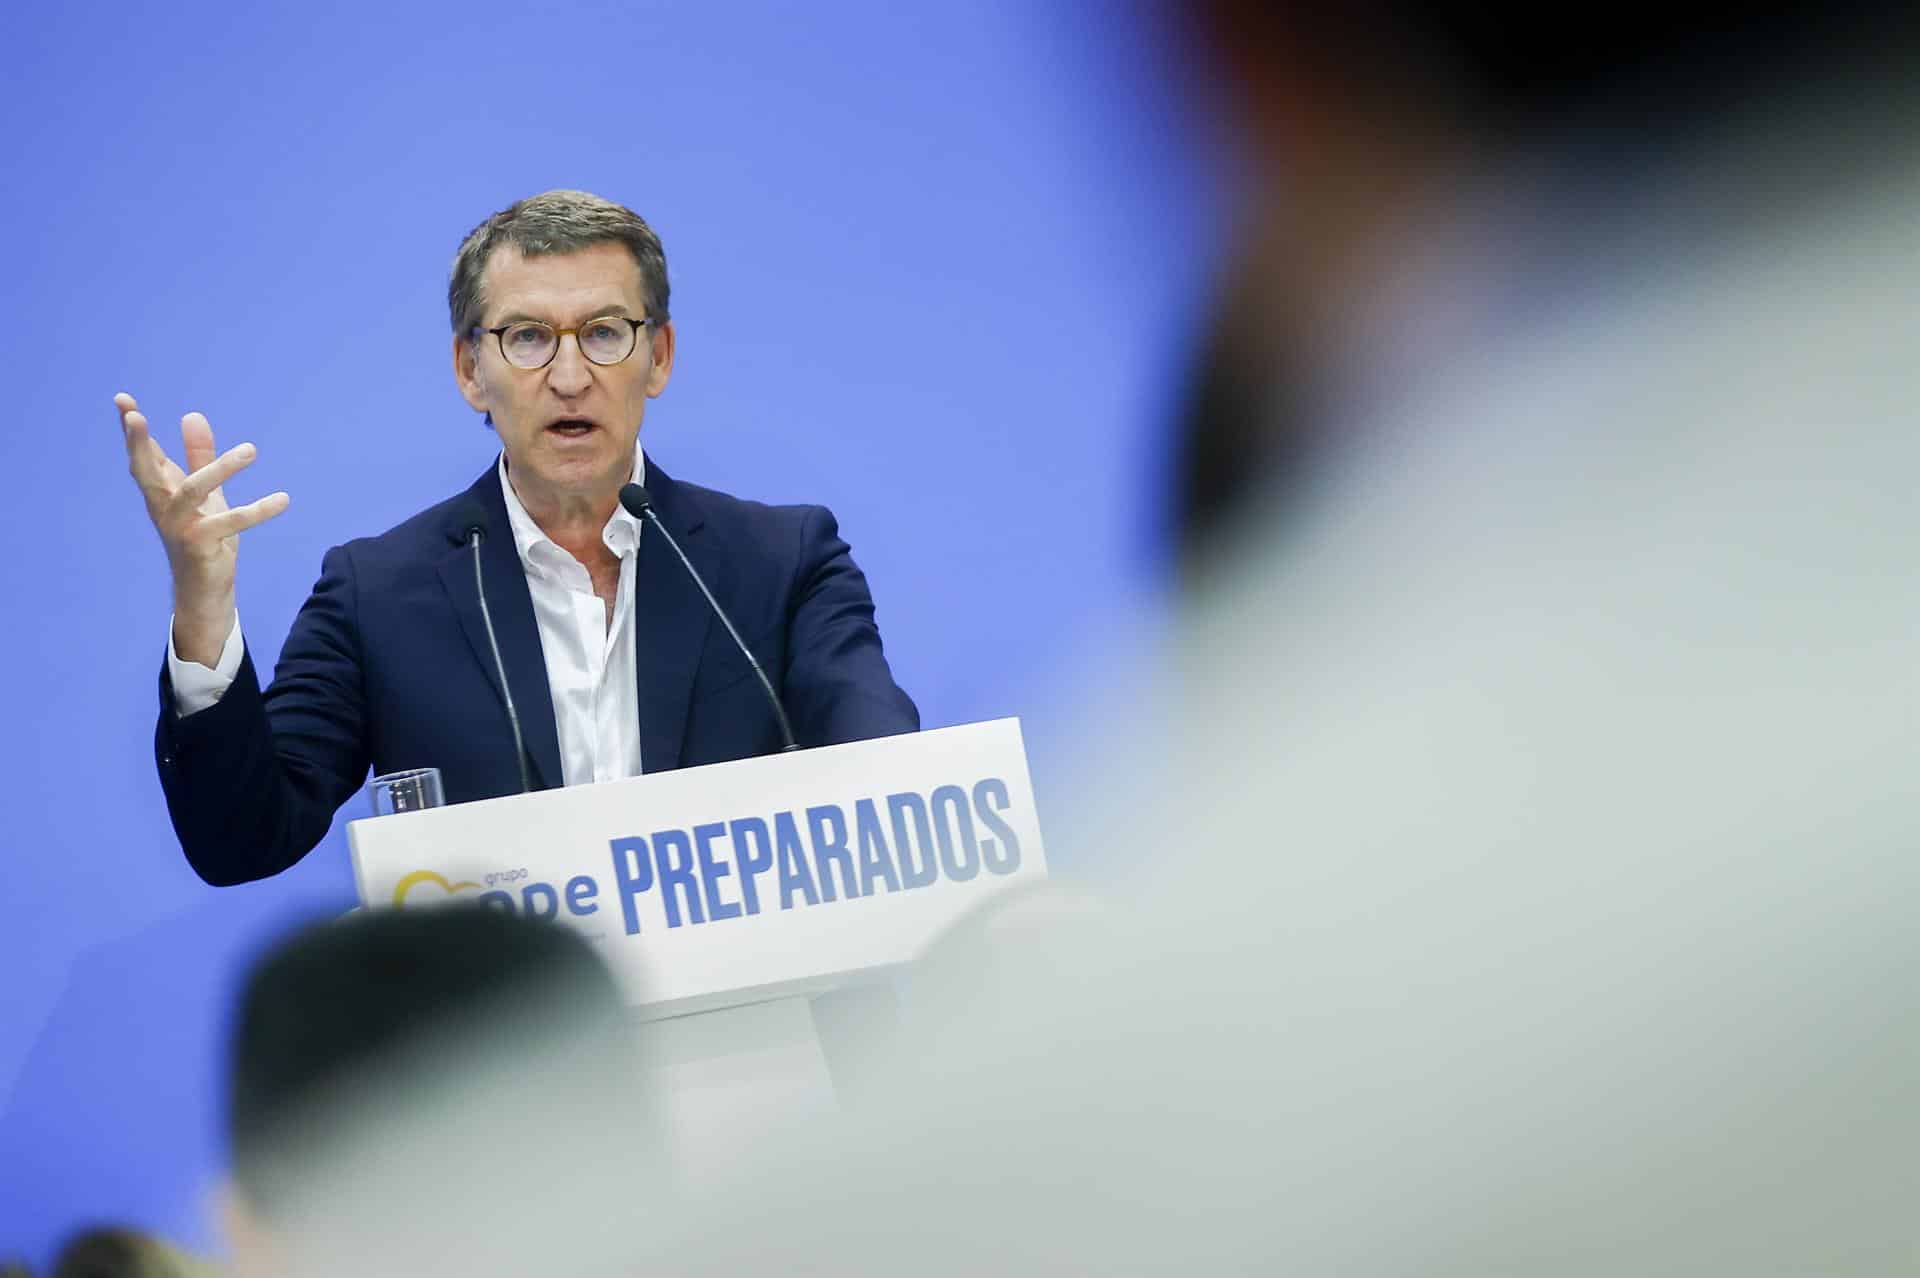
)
(424, 877)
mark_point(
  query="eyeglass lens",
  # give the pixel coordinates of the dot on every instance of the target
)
(604, 341)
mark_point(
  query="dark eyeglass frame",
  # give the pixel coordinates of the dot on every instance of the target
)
(500, 339)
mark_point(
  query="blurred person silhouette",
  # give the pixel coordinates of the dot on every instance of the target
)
(116, 1252)
(446, 1090)
(1516, 874)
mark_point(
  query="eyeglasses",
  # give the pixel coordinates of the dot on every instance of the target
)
(531, 344)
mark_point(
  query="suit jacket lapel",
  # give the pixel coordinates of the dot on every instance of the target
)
(671, 621)
(511, 605)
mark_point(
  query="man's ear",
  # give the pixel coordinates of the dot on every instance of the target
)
(251, 1244)
(467, 375)
(662, 359)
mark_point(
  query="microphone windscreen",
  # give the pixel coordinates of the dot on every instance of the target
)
(465, 518)
(636, 500)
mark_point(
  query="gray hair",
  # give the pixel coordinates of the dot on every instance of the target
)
(554, 222)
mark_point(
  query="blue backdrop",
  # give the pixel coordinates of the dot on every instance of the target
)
(935, 265)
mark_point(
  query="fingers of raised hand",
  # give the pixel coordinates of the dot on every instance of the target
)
(178, 498)
(147, 462)
(141, 448)
(205, 478)
(197, 434)
(241, 518)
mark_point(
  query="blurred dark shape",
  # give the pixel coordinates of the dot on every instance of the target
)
(1353, 119)
(1247, 436)
(1521, 70)
(344, 1012)
(109, 1252)
(347, 1017)
(395, 1071)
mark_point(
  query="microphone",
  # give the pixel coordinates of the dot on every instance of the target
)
(639, 504)
(471, 521)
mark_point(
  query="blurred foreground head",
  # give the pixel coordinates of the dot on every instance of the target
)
(1513, 872)
(1418, 175)
(106, 1252)
(430, 1091)
(1537, 740)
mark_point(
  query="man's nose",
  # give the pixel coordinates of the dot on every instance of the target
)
(570, 373)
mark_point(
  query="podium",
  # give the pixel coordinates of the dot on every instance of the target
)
(742, 906)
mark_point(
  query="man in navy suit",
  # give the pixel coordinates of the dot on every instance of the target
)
(561, 334)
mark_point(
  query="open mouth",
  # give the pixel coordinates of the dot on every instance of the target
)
(571, 427)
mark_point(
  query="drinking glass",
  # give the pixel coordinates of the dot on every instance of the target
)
(407, 791)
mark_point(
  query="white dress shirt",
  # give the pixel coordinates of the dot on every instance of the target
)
(591, 670)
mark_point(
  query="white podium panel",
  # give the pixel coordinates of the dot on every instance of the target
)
(738, 882)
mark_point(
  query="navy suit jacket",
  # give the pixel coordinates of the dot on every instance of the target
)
(388, 665)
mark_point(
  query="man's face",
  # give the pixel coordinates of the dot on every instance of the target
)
(568, 428)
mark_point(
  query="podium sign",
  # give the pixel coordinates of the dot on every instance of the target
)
(738, 881)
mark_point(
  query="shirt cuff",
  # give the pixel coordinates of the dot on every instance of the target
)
(194, 686)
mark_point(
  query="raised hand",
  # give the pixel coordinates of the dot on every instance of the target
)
(200, 531)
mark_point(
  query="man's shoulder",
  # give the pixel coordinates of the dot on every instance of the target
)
(755, 536)
(772, 534)
(420, 537)
(435, 523)
(727, 512)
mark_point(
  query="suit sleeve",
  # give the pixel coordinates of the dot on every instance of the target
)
(252, 781)
(837, 684)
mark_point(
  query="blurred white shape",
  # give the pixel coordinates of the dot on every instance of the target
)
(1519, 871)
